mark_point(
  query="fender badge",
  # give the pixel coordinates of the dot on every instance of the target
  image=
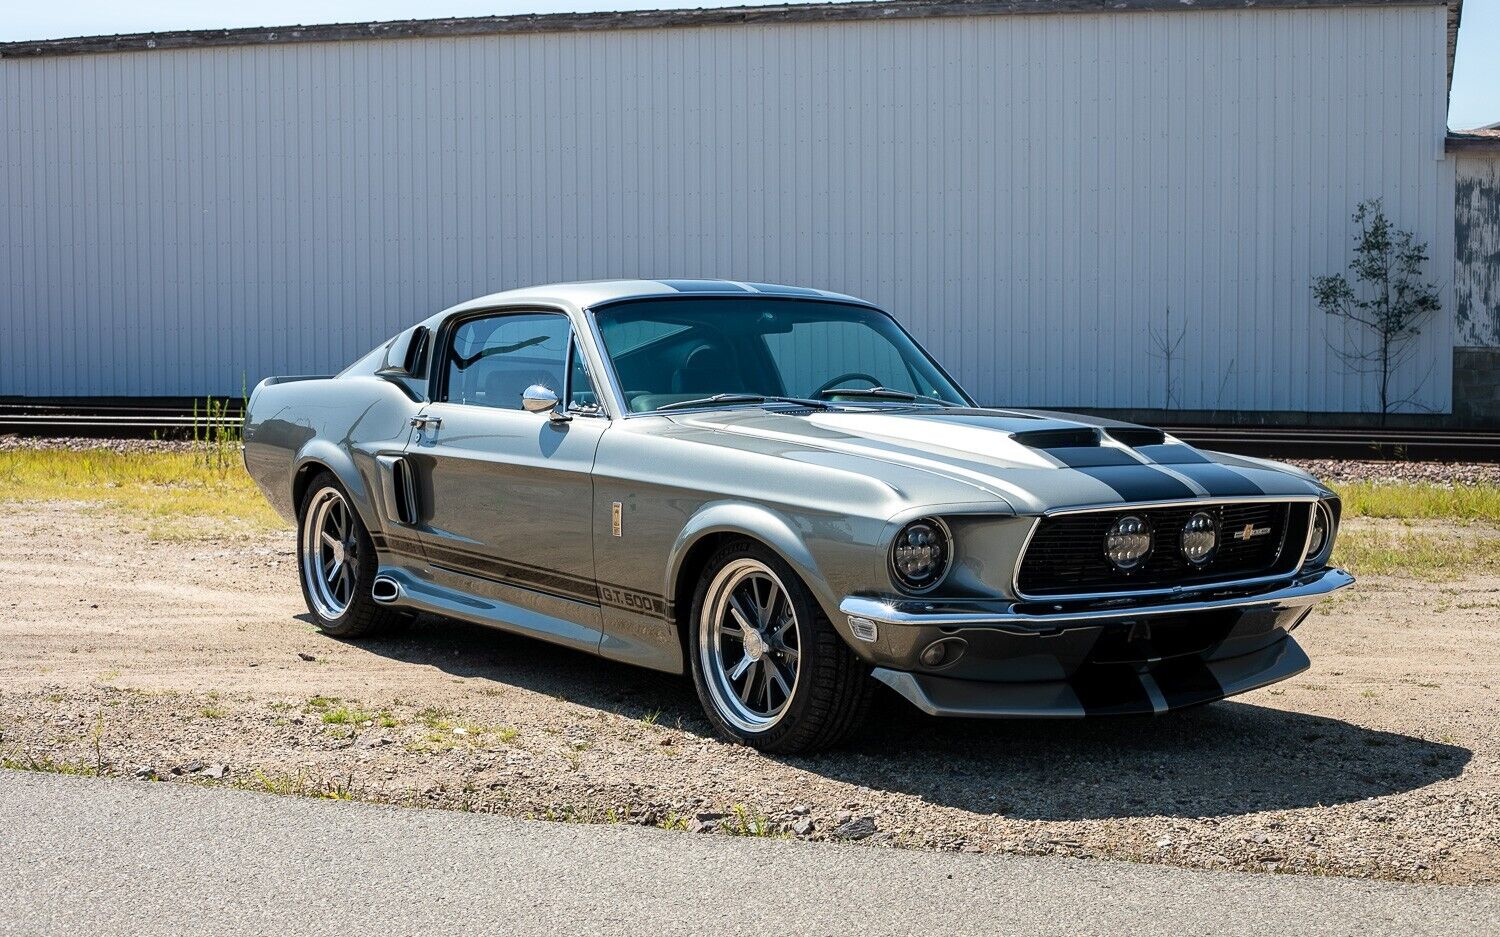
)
(615, 510)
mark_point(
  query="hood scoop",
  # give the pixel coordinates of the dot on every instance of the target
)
(1136, 436)
(1067, 438)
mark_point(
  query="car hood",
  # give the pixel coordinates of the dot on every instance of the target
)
(1032, 460)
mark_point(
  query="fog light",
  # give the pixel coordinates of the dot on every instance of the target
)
(1200, 537)
(1128, 542)
(943, 651)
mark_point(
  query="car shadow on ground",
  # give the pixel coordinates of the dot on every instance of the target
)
(1224, 759)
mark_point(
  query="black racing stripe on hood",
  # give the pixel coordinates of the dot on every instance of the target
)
(1216, 479)
(1137, 482)
(1086, 456)
(1172, 454)
(1219, 481)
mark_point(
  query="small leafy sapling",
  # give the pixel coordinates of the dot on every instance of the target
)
(1389, 298)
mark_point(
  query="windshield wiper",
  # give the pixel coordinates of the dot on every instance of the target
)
(888, 393)
(721, 399)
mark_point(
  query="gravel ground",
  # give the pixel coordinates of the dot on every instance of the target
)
(195, 663)
(12, 442)
(1334, 471)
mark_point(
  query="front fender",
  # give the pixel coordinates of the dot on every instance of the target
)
(758, 522)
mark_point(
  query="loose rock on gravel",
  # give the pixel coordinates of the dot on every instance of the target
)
(1382, 761)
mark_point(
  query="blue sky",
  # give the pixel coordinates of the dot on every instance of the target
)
(1476, 79)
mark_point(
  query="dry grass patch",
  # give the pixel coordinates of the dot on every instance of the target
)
(1422, 552)
(172, 495)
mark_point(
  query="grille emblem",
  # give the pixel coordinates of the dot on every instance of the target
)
(1250, 530)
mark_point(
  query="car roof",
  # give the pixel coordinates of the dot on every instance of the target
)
(586, 293)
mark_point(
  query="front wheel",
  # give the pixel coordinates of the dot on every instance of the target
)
(769, 669)
(336, 564)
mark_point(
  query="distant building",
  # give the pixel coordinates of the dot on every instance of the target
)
(1051, 194)
(1476, 274)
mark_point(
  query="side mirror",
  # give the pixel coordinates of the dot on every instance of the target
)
(540, 399)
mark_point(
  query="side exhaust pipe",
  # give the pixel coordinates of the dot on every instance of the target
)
(385, 590)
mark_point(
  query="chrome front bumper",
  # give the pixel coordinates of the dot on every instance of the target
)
(1043, 617)
(1117, 656)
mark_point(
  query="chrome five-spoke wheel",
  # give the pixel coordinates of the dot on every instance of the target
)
(337, 564)
(749, 644)
(330, 553)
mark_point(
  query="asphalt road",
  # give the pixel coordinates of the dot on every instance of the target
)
(128, 857)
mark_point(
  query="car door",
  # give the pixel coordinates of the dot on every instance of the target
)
(506, 494)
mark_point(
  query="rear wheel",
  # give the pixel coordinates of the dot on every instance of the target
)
(769, 668)
(336, 564)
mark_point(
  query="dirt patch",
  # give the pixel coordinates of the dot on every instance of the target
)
(196, 662)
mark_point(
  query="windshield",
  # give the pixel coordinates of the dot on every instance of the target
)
(674, 352)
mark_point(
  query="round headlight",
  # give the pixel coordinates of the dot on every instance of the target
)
(1128, 542)
(1200, 538)
(920, 555)
(1320, 538)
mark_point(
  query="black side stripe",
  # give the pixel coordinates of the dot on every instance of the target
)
(526, 576)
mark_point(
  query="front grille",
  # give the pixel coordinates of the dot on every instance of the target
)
(1066, 554)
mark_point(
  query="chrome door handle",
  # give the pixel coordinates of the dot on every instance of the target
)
(422, 422)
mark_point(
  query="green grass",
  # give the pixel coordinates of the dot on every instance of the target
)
(1412, 501)
(299, 785)
(173, 495)
(745, 821)
(446, 731)
(48, 765)
(346, 716)
(1369, 545)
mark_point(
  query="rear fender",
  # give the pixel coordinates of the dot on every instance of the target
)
(319, 454)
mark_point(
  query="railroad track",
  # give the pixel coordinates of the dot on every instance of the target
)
(1448, 445)
(1270, 441)
(105, 422)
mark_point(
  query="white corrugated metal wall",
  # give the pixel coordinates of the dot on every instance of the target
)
(1031, 194)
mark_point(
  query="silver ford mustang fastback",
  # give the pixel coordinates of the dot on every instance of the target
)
(777, 490)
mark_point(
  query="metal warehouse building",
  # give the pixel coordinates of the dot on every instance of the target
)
(1050, 193)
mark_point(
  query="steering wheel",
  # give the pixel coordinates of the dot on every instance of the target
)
(847, 376)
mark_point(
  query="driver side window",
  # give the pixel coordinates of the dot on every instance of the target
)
(491, 360)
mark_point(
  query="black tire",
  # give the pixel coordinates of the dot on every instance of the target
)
(831, 688)
(351, 614)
